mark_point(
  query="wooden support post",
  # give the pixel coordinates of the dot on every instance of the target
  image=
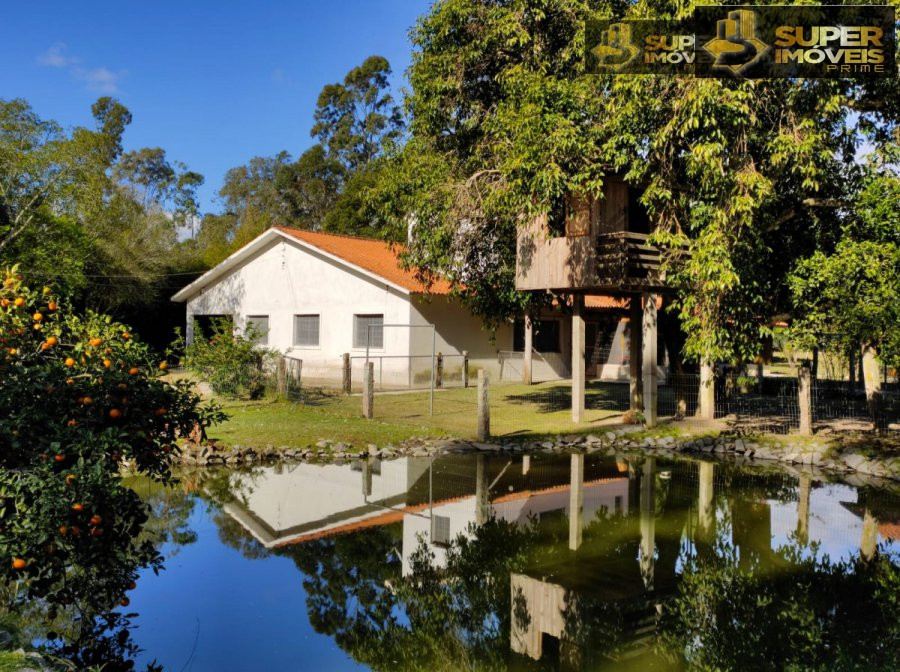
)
(814, 370)
(706, 409)
(526, 464)
(706, 499)
(852, 367)
(527, 357)
(439, 370)
(281, 377)
(649, 357)
(345, 368)
(804, 390)
(369, 390)
(577, 358)
(872, 378)
(635, 349)
(576, 500)
(803, 509)
(366, 478)
(483, 429)
(482, 492)
(465, 370)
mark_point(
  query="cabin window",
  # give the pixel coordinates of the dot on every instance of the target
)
(261, 324)
(570, 216)
(306, 331)
(371, 327)
(545, 338)
(638, 217)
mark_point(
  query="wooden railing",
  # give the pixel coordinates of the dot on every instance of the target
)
(629, 258)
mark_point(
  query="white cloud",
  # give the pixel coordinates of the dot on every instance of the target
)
(56, 57)
(98, 80)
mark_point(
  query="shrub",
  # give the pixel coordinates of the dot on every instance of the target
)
(232, 362)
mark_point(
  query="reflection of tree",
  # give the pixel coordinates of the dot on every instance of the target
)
(809, 614)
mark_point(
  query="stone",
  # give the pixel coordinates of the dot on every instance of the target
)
(611, 436)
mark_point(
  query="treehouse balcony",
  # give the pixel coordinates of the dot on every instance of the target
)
(592, 245)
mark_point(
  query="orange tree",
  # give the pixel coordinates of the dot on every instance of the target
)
(79, 395)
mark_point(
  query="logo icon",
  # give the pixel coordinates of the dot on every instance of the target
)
(616, 49)
(736, 46)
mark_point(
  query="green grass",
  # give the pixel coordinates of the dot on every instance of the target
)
(521, 411)
(11, 661)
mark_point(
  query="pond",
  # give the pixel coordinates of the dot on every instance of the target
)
(523, 562)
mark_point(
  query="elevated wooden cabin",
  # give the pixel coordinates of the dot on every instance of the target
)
(591, 245)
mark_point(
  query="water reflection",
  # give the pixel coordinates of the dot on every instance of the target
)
(579, 562)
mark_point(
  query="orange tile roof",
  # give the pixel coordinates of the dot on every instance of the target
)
(375, 256)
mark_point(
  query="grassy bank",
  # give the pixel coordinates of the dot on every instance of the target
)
(517, 410)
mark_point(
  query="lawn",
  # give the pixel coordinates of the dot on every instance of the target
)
(516, 410)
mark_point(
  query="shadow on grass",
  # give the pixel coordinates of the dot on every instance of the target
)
(598, 395)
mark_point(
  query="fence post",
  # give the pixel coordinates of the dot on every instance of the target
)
(345, 367)
(706, 408)
(483, 430)
(465, 371)
(281, 377)
(369, 391)
(804, 390)
(439, 371)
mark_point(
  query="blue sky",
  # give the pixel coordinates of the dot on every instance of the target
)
(212, 83)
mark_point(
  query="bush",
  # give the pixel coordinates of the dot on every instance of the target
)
(232, 362)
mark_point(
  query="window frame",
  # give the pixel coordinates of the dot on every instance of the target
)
(308, 346)
(264, 339)
(373, 345)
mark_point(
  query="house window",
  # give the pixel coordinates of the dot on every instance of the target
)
(362, 331)
(440, 530)
(545, 338)
(261, 324)
(205, 324)
(306, 331)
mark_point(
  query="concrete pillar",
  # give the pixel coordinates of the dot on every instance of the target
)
(482, 493)
(368, 397)
(345, 373)
(706, 499)
(635, 354)
(648, 521)
(803, 508)
(483, 428)
(872, 379)
(526, 464)
(649, 359)
(869, 542)
(706, 408)
(577, 358)
(576, 500)
(804, 390)
(527, 377)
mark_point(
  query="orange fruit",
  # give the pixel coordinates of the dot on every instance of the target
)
(19, 302)
(72, 422)
(4, 303)
(76, 531)
(115, 413)
(37, 317)
(51, 340)
(70, 381)
(63, 530)
(159, 412)
(87, 401)
(59, 457)
(78, 507)
(18, 563)
(12, 351)
(97, 531)
(37, 326)
(51, 306)
(95, 342)
(122, 386)
(133, 371)
(106, 363)
(70, 479)
(163, 366)
(132, 585)
(124, 601)
(95, 520)
(46, 291)
(69, 361)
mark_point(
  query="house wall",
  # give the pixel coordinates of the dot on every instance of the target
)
(286, 279)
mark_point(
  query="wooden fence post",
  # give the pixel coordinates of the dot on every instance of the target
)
(465, 371)
(439, 371)
(345, 367)
(281, 377)
(804, 390)
(369, 391)
(483, 429)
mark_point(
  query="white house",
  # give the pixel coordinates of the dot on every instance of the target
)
(315, 296)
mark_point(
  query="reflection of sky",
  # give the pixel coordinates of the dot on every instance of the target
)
(837, 530)
(212, 609)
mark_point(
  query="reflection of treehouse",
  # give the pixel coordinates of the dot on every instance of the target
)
(600, 246)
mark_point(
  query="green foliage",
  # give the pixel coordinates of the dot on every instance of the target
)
(232, 362)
